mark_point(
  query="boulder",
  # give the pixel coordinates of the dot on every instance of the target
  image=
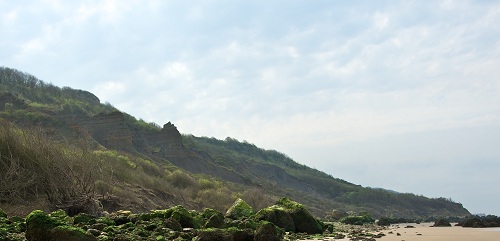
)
(69, 233)
(239, 210)
(173, 224)
(215, 221)
(303, 220)
(42, 227)
(183, 216)
(209, 212)
(213, 235)
(278, 216)
(441, 223)
(243, 235)
(266, 232)
(39, 225)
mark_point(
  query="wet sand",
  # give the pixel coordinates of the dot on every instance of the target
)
(423, 232)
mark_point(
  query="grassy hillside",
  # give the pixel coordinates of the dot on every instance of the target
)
(102, 156)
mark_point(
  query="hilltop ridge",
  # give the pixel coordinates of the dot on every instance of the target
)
(153, 166)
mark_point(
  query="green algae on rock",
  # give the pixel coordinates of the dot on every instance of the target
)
(240, 209)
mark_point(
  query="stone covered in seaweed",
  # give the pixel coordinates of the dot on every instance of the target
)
(239, 210)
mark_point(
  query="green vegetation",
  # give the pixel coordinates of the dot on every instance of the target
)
(61, 148)
(240, 209)
(175, 223)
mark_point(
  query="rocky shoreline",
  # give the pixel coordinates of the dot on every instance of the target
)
(286, 220)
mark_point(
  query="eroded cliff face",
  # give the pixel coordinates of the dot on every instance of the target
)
(109, 130)
(167, 143)
(112, 132)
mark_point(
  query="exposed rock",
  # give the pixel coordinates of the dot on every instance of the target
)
(441, 223)
(239, 210)
(481, 221)
(110, 130)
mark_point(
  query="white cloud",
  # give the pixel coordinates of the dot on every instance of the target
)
(306, 79)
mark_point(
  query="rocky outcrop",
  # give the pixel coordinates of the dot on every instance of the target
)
(441, 223)
(291, 216)
(109, 130)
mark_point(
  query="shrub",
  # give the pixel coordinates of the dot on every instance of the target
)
(181, 179)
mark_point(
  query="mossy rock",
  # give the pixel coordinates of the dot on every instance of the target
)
(239, 210)
(302, 218)
(278, 216)
(172, 224)
(160, 238)
(162, 214)
(288, 204)
(215, 221)
(61, 216)
(38, 226)
(183, 216)
(70, 233)
(106, 221)
(213, 234)
(267, 232)
(305, 222)
(120, 219)
(242, 234)
(84, 218)
(3, 214)
(209, 212)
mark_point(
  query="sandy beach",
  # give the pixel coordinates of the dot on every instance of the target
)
(423, 232)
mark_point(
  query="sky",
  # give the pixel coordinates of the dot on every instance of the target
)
(402, 95)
